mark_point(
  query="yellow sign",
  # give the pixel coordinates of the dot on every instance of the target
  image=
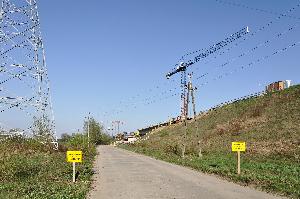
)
(238, 146)
(74, 156)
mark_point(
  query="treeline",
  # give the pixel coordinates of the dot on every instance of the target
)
(93, 132)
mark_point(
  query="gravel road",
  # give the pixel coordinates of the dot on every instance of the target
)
(124, 174)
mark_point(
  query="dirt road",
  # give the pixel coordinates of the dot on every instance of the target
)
(123, 174)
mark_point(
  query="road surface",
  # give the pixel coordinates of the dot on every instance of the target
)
(124, 174)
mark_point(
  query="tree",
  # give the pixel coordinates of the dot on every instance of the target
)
(41, 128)
(65, 137)
(97, 136)
(13, 130)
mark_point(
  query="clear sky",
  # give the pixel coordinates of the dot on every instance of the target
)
(110, 57)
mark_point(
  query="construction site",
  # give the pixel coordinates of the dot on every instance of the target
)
(152, 99)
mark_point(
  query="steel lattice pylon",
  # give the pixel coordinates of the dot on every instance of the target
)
(24, 83)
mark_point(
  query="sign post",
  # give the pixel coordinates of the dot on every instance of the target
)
(239, 162)
(74, 156)
(74, 173)
(238, 147)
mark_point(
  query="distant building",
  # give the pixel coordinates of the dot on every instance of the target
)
(278, 86)
(129, 139)
(11, 133)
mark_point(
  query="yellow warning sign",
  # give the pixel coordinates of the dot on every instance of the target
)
(238, 146)
(74, 156)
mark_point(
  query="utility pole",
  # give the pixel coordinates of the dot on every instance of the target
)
(88, 130)
(110, 129)
(191, 90)
(117, 122)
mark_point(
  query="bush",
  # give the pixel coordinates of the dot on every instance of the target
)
(30, 169)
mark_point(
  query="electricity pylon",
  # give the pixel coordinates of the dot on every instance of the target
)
(24, 83)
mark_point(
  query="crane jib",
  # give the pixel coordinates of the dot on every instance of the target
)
(183, 66)
(222, 44)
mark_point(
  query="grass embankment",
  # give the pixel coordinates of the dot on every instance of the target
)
(29, 169)
(270, 126)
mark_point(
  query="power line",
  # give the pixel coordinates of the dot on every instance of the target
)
(255, 9)
(146, 91)
(265, 43)
(252, 33)
(229, 73)
(183, 66)
(221, 53)
(252, 63)
(210, 50)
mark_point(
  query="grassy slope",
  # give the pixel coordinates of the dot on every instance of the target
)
(269, 124)
(30, 170)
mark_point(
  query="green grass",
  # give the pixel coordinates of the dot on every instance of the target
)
(268, 124)
(28, 169)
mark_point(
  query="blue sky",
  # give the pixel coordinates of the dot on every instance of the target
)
(108, 57)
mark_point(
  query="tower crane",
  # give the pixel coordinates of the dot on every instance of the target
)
(183, 66)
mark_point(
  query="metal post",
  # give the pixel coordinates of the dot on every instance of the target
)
(185, 123)
(239, 162)
(187, 102)
(118, 126)
(74, 172)
(184, 139)
(193, 101)
(199, 141)
(191, 91)
(200, 149)
(88, 129)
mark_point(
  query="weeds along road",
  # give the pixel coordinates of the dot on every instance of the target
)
(123, 174)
